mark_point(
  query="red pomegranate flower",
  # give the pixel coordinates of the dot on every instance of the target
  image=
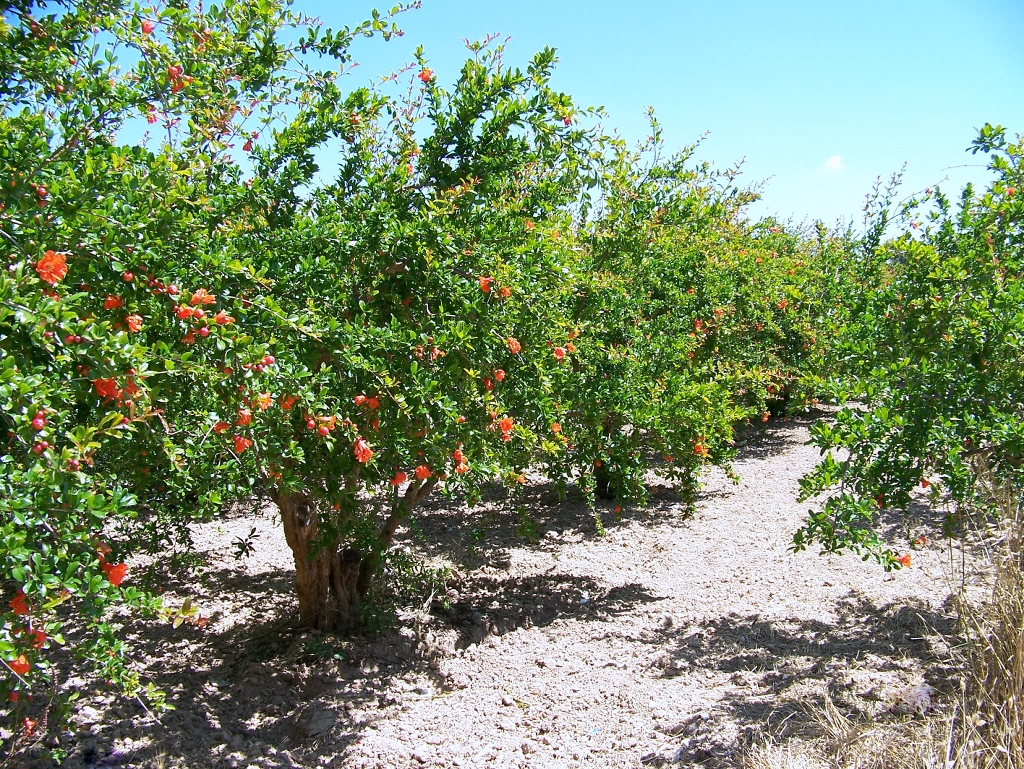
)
(263, 401)
(559, 353)
(112, 302)
(505, 424)
(422, 472)
(221, 427)
(556, 428)
(202, 296)
(244, 417)
(184, 312)
(485, 283)
(399, 478)
(18, 604)
(499, 374)
(52, 267)
(426, 75)
(223, 319)
(513, 345)
(107, 388)
(115, 572)
(134, 323)
(20, 665)
(362, 450)
(241, 444)
(287, 402)
(148, 26)
(904, 560)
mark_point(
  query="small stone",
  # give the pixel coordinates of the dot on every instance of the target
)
(507, 701)
(422, 753)
(527, 747)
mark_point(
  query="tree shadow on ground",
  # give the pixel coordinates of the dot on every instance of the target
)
(782, 672)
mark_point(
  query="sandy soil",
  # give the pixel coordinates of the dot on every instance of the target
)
(681, 635)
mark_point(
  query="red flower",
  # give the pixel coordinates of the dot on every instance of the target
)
(221, 427)
(241, 444)
(359, 400)
(244, 417)
(556, 428)
(184, 312)
(488, 383)
(287, 402)
(115, 572)
(263, 401)
(362, 450)
(513, 345)
(485, 283)
(399, 478)
(38, 638)
(570, 347)
(426, 75)
(505, 424)
(222, 318)
(559, 353)
(202, 296)
(904, 560)
(174, 71)
(506, 292)
(52, 267)
(499, 374)
(700, 449)
(529, 225)
(422, 472)
(112, 302)
(148, 26)
(18, 604)
(458, 456)
(134, 323)
(462, 468)
(107, 388)
(925, 483)
(20, 665)
(764, 416)
(372, 403)
(150, 117)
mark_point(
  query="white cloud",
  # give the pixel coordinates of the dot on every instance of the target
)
(835, 163)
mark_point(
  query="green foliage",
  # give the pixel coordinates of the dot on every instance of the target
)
(933, 361)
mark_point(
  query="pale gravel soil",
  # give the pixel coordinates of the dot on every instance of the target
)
(680, 635)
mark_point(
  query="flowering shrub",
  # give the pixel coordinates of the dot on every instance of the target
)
(933, 356)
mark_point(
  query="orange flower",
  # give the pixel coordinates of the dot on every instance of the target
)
(505, 424)
(184, 312)
(399, 478)
(485, 283)
(244, 417)
(462, 468)
(241, 444)
(570, 347)
(287, 402)
(107, 388)
(20, 665)
(783, 304)
(426, 75)
(513, 345)
(134, 323)
(904, 560)
(112, 302)
(559, 353)
(362, 450)
(458, 456)
(222, 318)
(505, 292)
(221, 427)
(556, 428)
(529, 225)
(115, 572)
(52, 267)
(264, 401)
(422, 472)
(202, 296)
(460, 419)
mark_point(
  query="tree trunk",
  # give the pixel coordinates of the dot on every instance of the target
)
(326, 581)
(331, 585)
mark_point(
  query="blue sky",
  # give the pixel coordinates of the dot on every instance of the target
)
(819, 98)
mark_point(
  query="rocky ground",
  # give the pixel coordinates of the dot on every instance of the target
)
(680, 635)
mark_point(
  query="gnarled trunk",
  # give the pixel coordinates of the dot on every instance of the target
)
(326, 580)
(332, 583)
